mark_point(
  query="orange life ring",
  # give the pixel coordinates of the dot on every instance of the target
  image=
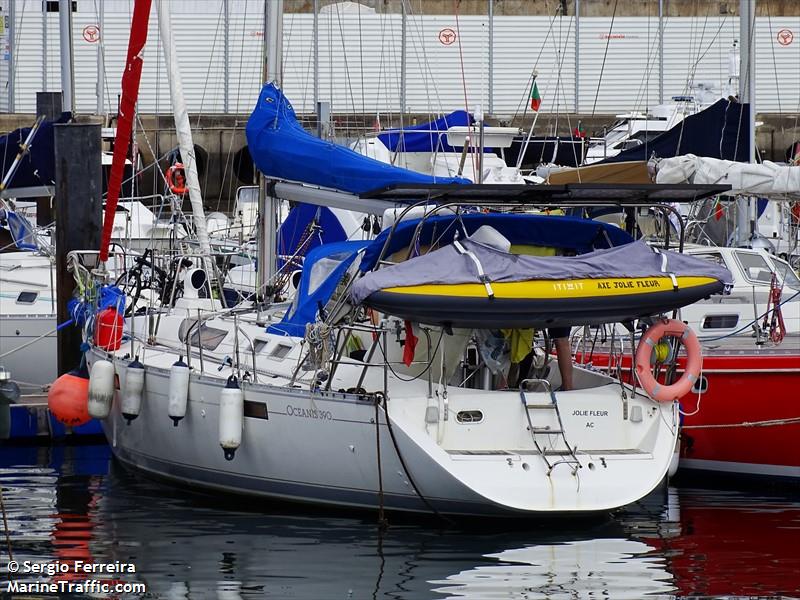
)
(694, 359)
(173, 175)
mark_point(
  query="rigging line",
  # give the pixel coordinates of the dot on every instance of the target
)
(546, 89)
(693, 65)
(418, 27)
(563, 93)
(137, 118)
(393, 83)
(643, 95)
(693, 70)
(464, 82)
(708, 48)
(605, 55)
(424, 65)
(432, 108)
(308, 79)
(203, 97)
(523, 101)
(797, 109)
(106, 91)
(381, 66)
(8, 82)
(344, 57)
(285, 45)
(15, 54)
(208, 76)
(241, 64)
(361, 61)
(330, 67)
(774, 61)
(228, 158)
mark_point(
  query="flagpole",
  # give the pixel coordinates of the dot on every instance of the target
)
(533, 126)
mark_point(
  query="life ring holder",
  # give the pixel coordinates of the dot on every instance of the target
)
(694, 360)
(176, 188)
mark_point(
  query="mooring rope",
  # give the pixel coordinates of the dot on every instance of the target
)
(769, 423)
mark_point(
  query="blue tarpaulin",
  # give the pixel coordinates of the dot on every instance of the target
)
(38, 167)
(428, 137)
(719, 131)
(281, 148)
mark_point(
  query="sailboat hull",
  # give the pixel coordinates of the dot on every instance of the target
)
(324, 448)
(741, 419)
(748, 424)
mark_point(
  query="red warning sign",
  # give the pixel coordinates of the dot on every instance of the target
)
(447, 36)
(91, 33)
(785, 37)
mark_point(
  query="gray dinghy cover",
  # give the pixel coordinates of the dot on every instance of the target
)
(450, 266)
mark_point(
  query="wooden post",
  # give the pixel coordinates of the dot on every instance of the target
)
(79, 206)
(48, 104)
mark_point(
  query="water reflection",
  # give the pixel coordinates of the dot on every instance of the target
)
(67, 503)
(615, 568)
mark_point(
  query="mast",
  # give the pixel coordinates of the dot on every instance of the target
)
(12, 54)
(182, 127)
(101, 64)
(267, 205)
(745, 226)
(131, 77)
(747, 75)
(67, 75)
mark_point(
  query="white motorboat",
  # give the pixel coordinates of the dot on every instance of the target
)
(636, 128)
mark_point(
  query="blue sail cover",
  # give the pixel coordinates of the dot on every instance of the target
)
(324, 267)
(281, 148)
(719, 131)
(565, 233)
(20, 228)
(428, 137)
(299, 221)
(38, 166)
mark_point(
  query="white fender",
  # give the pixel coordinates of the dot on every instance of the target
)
(132, 392)
(101, 389)
(178, 390)
(231, 417)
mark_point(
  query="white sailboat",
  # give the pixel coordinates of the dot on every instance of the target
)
(327, 406)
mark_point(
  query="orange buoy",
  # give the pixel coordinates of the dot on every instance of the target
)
(68, 399)
(108, 329)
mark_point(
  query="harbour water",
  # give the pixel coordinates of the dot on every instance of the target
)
(68, 503)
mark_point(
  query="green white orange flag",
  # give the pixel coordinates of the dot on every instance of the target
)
(536, 99)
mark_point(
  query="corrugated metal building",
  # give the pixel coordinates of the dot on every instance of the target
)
(586, 65)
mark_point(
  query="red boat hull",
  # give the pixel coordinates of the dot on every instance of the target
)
(748, 422)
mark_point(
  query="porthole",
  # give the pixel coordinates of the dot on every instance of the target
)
(701, 385)
(27, 297)
(720, 321)
(469, 416)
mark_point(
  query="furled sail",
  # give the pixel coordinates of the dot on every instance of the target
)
(765, 179)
